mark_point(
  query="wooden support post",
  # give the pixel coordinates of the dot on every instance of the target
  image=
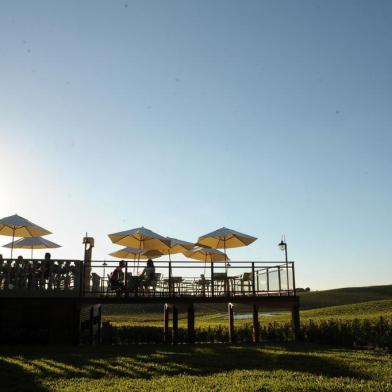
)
(91, 325)
(175, 325)
(191, 323)
(99, 333)
(231, 322)
(256, 325)
(295, 321)
(166, 314)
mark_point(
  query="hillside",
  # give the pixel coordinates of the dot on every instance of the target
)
(344, 296)
(309, 300)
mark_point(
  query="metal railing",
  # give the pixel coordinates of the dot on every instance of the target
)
(167, 279)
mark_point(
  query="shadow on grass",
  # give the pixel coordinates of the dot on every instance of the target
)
(24, 369)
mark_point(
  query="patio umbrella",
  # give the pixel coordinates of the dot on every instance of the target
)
(32, 243)
(140, 238)
(17, 226)
(206, 254)
(132, 253)
(226, 238)
(177, 246)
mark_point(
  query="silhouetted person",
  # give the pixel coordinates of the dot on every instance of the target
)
(116, 278)
(148, 274)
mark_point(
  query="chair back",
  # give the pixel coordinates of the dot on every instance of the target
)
(247, 276)
(157, 276)
(220, 275)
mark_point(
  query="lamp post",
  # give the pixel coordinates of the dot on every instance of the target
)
(283, 246)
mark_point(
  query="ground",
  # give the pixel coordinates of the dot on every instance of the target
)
(290, 367)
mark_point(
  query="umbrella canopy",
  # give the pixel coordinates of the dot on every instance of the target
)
(140, 238)
(17, 226)
(33, 243)
(206, 254)
(177, 246)
(134, 253)
(226, 238)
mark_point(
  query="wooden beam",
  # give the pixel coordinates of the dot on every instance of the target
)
(295, 321)
(256, 325)
(175, 325)
(191, 323)
(166, 315)
(231, 323)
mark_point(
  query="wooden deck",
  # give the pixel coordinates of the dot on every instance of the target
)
(85, 284)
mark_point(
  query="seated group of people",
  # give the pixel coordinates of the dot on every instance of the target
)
(36, 274)
(143, 281)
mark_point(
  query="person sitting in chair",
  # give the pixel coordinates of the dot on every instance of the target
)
(116, 278)
(148, 275)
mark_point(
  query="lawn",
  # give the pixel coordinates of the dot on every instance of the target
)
(290, 367)
(368, 310)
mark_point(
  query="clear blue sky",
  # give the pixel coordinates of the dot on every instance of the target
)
(268, 117)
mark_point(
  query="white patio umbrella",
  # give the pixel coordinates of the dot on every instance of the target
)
(17, 226)
(224, 238)
(140, 238)
(206, 254)
(32, 243)
(132, 253)
(177, 246)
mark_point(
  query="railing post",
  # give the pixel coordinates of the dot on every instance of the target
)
(280, 281)
(268, 283)
(253, 279)
(170, 278)
(212, 279)
(293, 272)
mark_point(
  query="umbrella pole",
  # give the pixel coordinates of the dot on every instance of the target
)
(32, 252)
(224, 249)
(12, 243)
(138, 255)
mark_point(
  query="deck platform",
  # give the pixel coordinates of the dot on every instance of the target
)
(76, 285)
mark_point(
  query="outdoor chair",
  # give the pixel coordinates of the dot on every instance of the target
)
(150, 286)
(96, 282)
(202, 285)
(221, 283)
(246, 282)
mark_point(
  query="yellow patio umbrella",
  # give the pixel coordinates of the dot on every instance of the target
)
(17, 226)
(32, 243)
(224, 238)
(133, 253)
(140, 238)
(177, 246)
(206, 254)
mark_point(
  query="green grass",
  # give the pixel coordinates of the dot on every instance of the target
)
(344, 296)
(291, 367)
(368, 310)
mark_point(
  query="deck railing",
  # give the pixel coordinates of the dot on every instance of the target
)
(54, 277)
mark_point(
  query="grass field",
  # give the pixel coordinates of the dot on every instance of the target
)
(292, 367)
(368, 310)
(286, 366)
